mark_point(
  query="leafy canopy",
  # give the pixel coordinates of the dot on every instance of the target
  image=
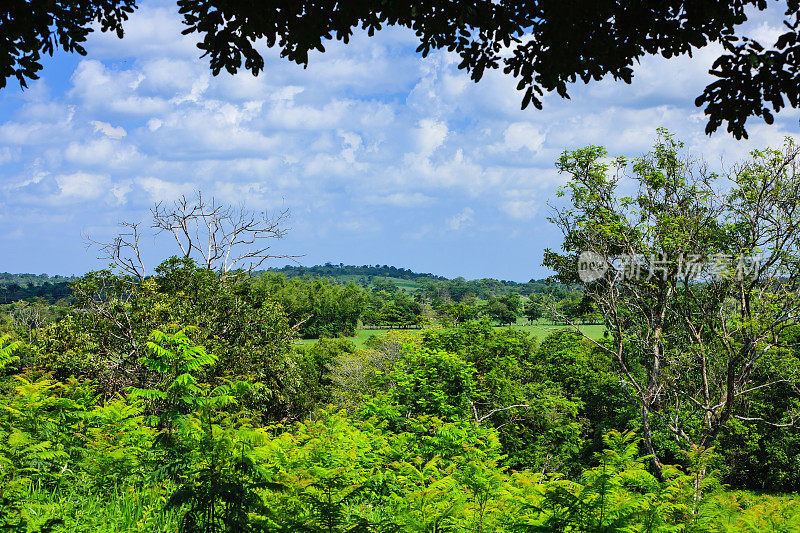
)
(544, 45)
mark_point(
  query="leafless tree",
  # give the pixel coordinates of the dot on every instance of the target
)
(30, 316)
(216, 236)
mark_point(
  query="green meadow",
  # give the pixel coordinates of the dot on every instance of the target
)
(593, 331)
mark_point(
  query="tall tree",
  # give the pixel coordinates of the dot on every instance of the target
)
(698, 287)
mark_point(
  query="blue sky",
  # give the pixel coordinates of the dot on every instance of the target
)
(380, 156)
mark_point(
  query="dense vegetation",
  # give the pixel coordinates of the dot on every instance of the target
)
(183, 401)
(114, 418)
(16, 287)
(329, 270)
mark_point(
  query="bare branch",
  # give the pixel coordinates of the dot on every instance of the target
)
(123, 251)
(479, 419)
(219, 237)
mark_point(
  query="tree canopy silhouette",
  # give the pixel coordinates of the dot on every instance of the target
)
(544, 44)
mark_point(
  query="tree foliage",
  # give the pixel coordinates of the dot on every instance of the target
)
(33, 28)
(698, 285)
(246, 329)
(544, 46)
(316, 307)
(182, 454)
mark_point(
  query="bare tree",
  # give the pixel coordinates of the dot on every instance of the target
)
(29, 315)
(216, 236)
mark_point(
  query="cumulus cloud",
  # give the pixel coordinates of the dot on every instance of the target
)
(97, 87)
(370, 139)
(82, 186)
(519, 135)
(104, 153)
(521, 208)
(160, 190)
(429, 135)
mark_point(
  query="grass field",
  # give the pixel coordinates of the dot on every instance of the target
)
(594, 331)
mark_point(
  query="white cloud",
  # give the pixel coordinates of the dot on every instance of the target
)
(767, 33)
(120, 191)
(521, 205)
(429, 135)
(519, 135)
(285, 114)
(149, 32)
(164, 191)
(108, 130)
(82, 186)
(100, 152)
(461, 220)
(401, 199)
(352, 143)
(33, 179)
(97, 87)
(8, 154)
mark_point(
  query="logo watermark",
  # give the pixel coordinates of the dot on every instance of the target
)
(693, 267)
(591, 266)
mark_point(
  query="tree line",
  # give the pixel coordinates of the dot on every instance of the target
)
(335, 304)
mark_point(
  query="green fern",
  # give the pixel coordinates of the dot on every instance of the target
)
(175, 362)
(7, 349)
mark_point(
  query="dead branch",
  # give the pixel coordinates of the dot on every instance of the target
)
(123, 251)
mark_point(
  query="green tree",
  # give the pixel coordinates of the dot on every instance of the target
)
(7, 350)
(396, 309)
(536, 418)
(433, 382)
(693, 316)
(247, 330)
(387, 285)
(461, 312)
(317, 307)
(318, 363)
(499, 309)
(217, 479)
(533, 310)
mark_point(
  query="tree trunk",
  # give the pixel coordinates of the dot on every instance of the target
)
(648, 441)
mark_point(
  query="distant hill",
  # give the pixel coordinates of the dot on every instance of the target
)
(329, 270)
(412, 282)
(15, 287)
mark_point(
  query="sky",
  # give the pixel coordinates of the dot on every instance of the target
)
(380, 156)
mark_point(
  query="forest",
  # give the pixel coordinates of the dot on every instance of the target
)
(193, 398)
